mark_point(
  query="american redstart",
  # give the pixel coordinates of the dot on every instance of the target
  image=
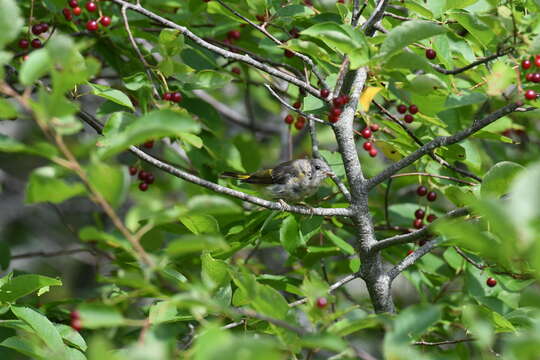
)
(291, 181)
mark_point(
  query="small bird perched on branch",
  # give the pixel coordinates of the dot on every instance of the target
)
(291, 181)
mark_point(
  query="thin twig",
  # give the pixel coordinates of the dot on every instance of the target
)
(225, 53)
(290, 107)
(271, 320)
(51, 254)
(331, 289)
(441, 141)
(435, 176)
(446, 342)
(273, 205)
(473, 64)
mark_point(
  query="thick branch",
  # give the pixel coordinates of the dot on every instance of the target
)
(376, 16)
(225, 53)
(412, 237)
(272, 205)
(441, 141)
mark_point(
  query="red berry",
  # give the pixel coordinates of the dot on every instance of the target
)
(74, 315)
(367, 146)
(337, 101)
(299, 125)
(297, 105)
(289, 119)
(233, 34)
(431, 54)
(288, 53)
(149, 144)
(491, 282)
(374, 127)
(149, 178)
(301, 119)
(73, 3)
(373, 152)
(91, 6)
(76, 324)
(321, 302)
(36, 29)
(66, 12)
(143, 186)
(77, 11)
(344, 99)
(537, 61)
(432, 196)
(143, 174)
(333, 118)
(526, 64)
(418, 223)
(409, 252)
(408, 118)
(24, 44)
(44, 27)
(295, 33)
(341, 1)
(166, 96)
(530, 94)
(535, 77)
(91, 25)
(261, 17)
(335, 111)
(236, 70)
(529, 76)
(431, 218)
(308, 3)
(366, 133)
(421, 190)
(419, 214)
(176, 97)
(413, 109)
(325, 93)
(105, 20)
(402, 109)
(133, 170)
(36, 43)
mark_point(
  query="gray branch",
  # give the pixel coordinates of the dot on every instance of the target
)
(376, 16)
(411, 259)
(412, 237)
(441, 141)
(272, 205)
(225, 53)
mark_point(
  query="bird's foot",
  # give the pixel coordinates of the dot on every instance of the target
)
(311, 208)
(283, 204)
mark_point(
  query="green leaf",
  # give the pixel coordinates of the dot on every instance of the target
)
(200, 224)
(498, 179)
(162, 311)
(215, 271)
(11, 21)
(290, 236)
(340, 243)
(406, 34)
(191, 244)
(500, 77)
(71, 336)
(95, 316)
(26, 347)
(7, 109)
(343, 38)
(191, 139)
(458, 4)
(417, 8)
(156, 124)
(23, 285)
(37, 65)
(208, 79)
(111, 94)
(43, 328)
(10, 145)
(171, 41)
(408, 325)
(479, 30)
(110, 181)
(44, 185)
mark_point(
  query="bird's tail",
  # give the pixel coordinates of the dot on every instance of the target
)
(234, 175)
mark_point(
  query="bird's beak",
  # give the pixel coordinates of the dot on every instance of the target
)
(330, 174)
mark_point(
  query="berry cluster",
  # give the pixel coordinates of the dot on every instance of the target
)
(172, 96)
(146, 177)
(366, 133)
(37, 30)
(402, 109)
(91, 7)
(337, 106)
(299, 124)
(531, 75)
(419, 214)
(76, 323)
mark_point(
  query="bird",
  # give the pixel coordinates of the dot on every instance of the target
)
(291, 181)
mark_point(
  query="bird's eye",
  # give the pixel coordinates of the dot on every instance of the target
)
(317, 167)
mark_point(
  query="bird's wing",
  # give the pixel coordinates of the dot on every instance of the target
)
(287, 171)
(263, 177)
